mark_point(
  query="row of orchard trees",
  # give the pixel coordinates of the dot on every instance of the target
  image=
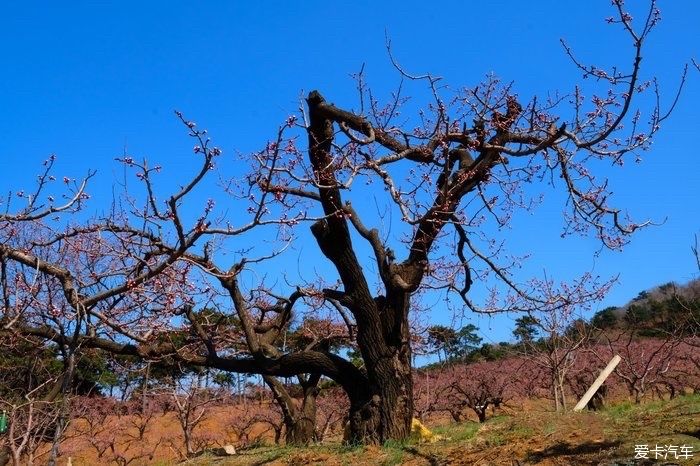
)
(205, 417)
(558, 355)
(128, 279)
(656, 335)
(40, 400)
(118, 402)
(131, 429)
(649, 367)
(122, 410)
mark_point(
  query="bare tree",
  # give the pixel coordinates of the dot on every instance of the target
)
(250, 422)
(477, 387)
(645, 362)
(32, 420)
(556, 352)
(117, 431)
(192, 403)
(119, 282)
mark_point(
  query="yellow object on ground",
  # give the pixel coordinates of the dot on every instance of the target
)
(418, 432)
(422, 433)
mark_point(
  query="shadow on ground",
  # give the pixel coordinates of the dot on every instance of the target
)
(567, 449)
(433, 460)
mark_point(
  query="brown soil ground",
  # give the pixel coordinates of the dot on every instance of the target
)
(524, 435)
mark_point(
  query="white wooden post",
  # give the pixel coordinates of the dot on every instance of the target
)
(598, 382)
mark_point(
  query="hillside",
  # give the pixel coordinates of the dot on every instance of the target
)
(530, 437)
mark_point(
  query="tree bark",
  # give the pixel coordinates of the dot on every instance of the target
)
(299, 422)
(300, 431)
(387, 355)
(383, 335)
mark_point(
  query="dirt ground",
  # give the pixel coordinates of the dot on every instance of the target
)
(529, 436)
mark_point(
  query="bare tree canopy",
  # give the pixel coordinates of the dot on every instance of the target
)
(129, 278)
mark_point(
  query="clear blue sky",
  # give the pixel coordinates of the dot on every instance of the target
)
(84, 79)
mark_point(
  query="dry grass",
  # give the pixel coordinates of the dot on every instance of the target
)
(529, 437)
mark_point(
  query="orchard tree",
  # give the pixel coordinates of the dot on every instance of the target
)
(192, 403)
(457, 172)
(556, 352)
(645, 363)
(117, 432)
(476, 386)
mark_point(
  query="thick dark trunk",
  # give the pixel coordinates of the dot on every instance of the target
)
(387, 414)
(299, 421)
(300, 428)
(384, 410)
(299, 431)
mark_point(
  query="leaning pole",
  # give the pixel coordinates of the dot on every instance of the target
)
(598, 382)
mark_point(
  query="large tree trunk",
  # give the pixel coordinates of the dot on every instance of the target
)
(299, 431)
(387, 415)
(301, 427)
(299, 421)
(386, 351)
(385, 409)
